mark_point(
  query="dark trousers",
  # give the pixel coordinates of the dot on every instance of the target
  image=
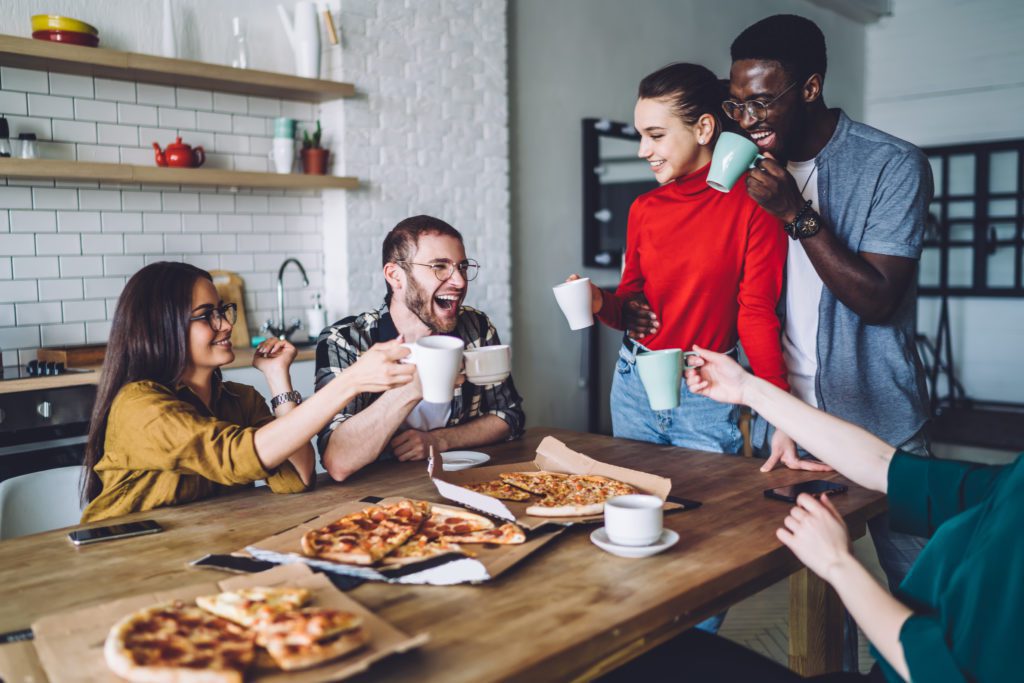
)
(699, 657)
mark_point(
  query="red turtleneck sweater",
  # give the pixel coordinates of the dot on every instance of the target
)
(710, 265)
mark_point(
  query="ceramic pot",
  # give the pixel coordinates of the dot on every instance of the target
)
(314, 161)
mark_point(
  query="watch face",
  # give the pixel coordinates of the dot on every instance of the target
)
(808, 226)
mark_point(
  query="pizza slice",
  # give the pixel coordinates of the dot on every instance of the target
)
(310, 636)
(178, 642)
(247, 605)
(506, 534)
(420, 547)
(534, 482)
(579, 496)
(364, 537)
(499, 490)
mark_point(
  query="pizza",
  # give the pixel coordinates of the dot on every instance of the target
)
(419, 548)
(567, 495)
(367, 536)
(246, 606)
(506, 534)
(540, 483)
(306, 637)
(178, 643)
(499, 490)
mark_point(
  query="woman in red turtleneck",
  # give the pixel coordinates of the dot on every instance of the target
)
(709, 265)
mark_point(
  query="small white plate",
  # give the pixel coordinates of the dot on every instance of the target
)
(453, 461)
(668, 539)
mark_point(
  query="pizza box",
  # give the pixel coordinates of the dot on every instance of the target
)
(552, 456)
(487, 561)
(69, 644)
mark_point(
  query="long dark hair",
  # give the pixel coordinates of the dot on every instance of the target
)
(693, 91)
(148, 341)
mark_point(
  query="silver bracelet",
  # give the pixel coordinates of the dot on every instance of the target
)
(287, 397)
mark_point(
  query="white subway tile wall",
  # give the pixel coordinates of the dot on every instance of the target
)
(67, 249)
(429, 134)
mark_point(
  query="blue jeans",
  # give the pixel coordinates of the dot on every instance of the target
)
(698, 423)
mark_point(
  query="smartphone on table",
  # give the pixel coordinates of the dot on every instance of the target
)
(815, 487)
(114, 531)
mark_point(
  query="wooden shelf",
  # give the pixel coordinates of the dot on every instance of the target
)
(28, 53)
(51, 169)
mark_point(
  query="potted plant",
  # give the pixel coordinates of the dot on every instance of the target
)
(314, 157)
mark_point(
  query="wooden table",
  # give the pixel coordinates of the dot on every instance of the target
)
(570, 612)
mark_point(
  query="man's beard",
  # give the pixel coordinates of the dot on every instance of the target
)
(421, 305)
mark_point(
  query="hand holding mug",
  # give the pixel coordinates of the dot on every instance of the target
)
(596, 297)
(378, 368)
(716, 376)
(774, 188)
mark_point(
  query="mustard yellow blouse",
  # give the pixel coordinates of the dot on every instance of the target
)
(165, 447)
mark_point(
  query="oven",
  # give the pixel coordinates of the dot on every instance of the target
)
(44, 428)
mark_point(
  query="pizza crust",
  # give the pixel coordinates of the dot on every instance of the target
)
(566, 510)
(121, 660)
(292, 658)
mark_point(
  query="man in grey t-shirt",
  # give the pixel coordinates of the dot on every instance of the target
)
(854, 200)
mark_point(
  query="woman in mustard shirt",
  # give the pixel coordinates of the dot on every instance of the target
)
(959, 613)
(167, 429)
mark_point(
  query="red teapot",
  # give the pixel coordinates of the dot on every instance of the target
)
(180, 155)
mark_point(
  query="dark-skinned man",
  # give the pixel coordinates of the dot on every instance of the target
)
(854, 201)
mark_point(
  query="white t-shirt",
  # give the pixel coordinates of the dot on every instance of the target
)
(427, 417)
(803, 294)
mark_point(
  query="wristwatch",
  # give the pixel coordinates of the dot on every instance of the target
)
(287, 397)
(806, 224)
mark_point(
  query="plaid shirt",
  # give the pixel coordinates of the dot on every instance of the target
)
(341, 344)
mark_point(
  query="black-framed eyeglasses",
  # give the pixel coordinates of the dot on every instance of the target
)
(755, 109)
(443, 270)
(215, 317)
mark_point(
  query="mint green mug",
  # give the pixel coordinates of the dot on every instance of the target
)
(734, 155)
(661, 373)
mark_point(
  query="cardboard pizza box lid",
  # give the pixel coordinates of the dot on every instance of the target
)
(486, 562)
(552, 456)
(70, 644)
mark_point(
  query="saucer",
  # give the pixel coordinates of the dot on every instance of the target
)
(667, 539)
(481, 380)
(453, 461)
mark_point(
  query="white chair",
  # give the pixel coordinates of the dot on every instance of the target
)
(40, 501)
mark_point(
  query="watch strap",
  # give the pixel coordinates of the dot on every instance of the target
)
(791, 227)
(287, 397)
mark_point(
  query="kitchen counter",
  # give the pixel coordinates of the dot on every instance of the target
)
(243, 359)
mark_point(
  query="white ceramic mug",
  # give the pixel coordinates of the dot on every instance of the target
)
(488, 364)
(574, 299)
(633, 520)
(282, 154)
(438, 360)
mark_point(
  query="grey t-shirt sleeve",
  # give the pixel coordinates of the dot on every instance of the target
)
(899, 207)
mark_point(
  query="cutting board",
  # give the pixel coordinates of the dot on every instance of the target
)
(81, 356)
(231, 289)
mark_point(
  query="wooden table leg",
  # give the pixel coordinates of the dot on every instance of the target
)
(815, 625)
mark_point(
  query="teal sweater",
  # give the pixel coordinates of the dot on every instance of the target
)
(967, 587)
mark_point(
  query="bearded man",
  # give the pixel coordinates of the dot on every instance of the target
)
(427, 276)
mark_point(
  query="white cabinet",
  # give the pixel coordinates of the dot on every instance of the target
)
(302, 381)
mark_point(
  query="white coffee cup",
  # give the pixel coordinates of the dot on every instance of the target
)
(438, 359)
(282, 154)
(488, 364)
(574, 299)
(633, 520)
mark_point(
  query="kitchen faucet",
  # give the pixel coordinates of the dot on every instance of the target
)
(280, 330)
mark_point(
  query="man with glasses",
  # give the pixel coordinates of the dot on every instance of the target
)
(854, 201)
(427, 277)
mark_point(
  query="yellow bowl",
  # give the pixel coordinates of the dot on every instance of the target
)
(55, 22)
